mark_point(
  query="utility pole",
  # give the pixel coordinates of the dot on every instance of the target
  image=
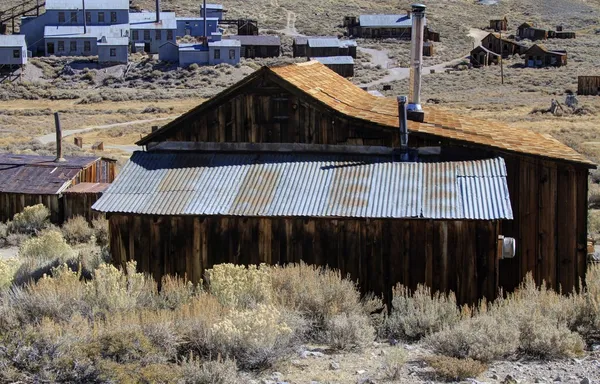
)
(501, 59)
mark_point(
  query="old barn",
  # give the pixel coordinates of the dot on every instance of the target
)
(212, 189)
(27, 180)
(539, 56)
(254, 46)
(505, 47)
(499, 24)
(300, 44)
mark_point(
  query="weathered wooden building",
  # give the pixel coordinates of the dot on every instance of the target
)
(79, 199)
(481, 57)
(309, 104)
(499, 24)
(565, 35)
(588, 85)
(342, 65)
(382, 26)
(254, 46)
(27, 180)
(300, 44)
(539, 56)
(502, 46)
(330, 47)
(528, 31)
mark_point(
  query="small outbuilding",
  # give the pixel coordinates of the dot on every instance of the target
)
(213, 11)
(78, 200)
(588, 85)
(258, 46)
(13, 51)
(533, 33)
(428, 49)
(539, 56)
(169, 51)
(499, 24)
(342, 65)
(300, 44)
(565, 35)
(113, 50)
(481, 57)
(331, 47)
(27, 180)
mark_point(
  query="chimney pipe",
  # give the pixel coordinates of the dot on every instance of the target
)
(84, 18)
(158, 11)
(205, 26)
(59, 154)
(403, 121)
(415, 112)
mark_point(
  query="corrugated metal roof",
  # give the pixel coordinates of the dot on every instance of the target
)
(93, 31)
(324, 43)
(107, 5)
(88, 188)
(12, 41)
(386, 21)
(146, 20)
(30, 174)
(114, 41)
(335, 60)
(303, 40)
(308, 185)
(225, 43)
(256, 40)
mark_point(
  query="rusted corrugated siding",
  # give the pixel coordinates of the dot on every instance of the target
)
(324, 185)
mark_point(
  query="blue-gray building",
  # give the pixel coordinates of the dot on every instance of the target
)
(382, 26)
(113, 50)
(76, 40)
(213, 10)
(145, 29)
(13, 50)
(218, 52)
(70, 13)
(169, 51)
(194, 26)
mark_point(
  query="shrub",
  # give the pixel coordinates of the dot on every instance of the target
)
(176, 292)
(393, 363)
(49, 246)
(452, 369)
(255, 338)
(238, 286)
(8, 267)
(220, 371)
(415, 315)
(586, 306)
(100, 226)
(77, 230)
(32, 220)
(543, 338)
(352, 331)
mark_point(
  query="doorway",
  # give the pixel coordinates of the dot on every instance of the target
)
(50, 48)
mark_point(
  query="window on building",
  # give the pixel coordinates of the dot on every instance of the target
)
(61, 46)
(232, 54)
(61, 17)
(158, 34)
(88, 17)
(101, 17)
(217, 53)
(87, 46)
(16, 53)
(135, 35)
(73, 46)
(113, 52)
(113, 17)
(147, 34)
(73, 17)
(169, 35)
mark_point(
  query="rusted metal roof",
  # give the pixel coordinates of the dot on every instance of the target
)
(88, 188)
(30, 174)
(327, 87)
(307, 185)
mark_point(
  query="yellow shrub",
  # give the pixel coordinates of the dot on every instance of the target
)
(239, 286)
(8, 268)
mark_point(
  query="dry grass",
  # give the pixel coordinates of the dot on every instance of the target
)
(451, 369)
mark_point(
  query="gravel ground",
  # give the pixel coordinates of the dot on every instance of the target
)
(314, 365)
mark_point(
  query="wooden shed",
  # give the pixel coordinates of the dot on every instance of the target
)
(499, 24)
(502, 46)
(539, 56)
(330, 47)
(78, 200)
(27, 180)
(307, 103)
(588, 85)
(481, 57)
(565, 35)
(258, 46)
(532, 33)
(300, 44)
(428, 49)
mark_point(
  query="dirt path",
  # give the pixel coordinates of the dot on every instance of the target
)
(51, 137)
(477, 35)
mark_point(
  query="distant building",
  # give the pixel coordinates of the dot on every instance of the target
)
(428, 49)
(145, 29)
(113, 50)
(13, 50)
(522, 28)
(342, 65)
(481, 57)
(258, 46)
(382, 26)
(499, 24)
(218, 52)
(194, 26)
(169, 51)
(213, 10)
(528, 31)
(300, 44)
(588, 85)
(330, 47)
(502, 46)
(75, 40)
(539, 56)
